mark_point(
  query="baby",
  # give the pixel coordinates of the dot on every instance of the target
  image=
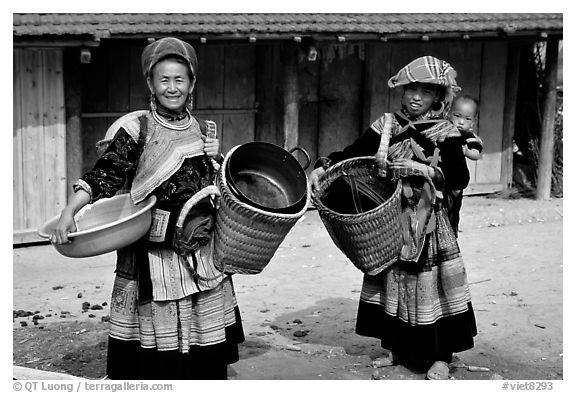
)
(463, 115)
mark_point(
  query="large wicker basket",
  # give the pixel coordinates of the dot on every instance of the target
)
(246, 237)
(372, 240)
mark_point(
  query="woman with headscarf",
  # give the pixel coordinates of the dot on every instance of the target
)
(420, 308)
(172, 314)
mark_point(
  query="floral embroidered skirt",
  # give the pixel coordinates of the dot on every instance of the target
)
(423, 309)
(195, 337)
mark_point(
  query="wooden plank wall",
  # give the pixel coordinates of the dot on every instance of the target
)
(209, 90)
(481, 68)
(309, 119)
(466, 60)
(112, 84)
(509, 120)
(239, 94)
(95, 89)
(338, 98)
(225, 91)
(269, 97)
(73, 103)
(54, 122)
(17, 144)
(39, 144)
(376, 90)
(139, 93)
(340, 92)
(226, 86)
(341, 97)
(492, 98)
(32, 138)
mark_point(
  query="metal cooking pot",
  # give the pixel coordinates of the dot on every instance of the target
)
(268, 177)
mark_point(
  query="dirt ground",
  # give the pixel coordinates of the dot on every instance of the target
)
(299, 313)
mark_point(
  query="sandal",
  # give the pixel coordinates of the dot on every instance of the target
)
(391, 359)
(438, 371)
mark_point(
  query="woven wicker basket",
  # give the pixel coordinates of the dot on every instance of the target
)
(372, 240)
(246, 237)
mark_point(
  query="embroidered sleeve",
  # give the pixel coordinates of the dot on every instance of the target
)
(114, 167)
(472, 141)
(453, 164)
(82, 185)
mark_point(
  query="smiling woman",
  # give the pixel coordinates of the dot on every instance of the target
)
(420, 307)
(172, 314)
(419, 97)
(171, 82)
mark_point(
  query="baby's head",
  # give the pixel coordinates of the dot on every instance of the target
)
(464, 112)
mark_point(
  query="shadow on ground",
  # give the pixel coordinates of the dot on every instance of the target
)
(329, 322)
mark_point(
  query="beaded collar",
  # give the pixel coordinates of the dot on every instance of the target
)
(172, 120)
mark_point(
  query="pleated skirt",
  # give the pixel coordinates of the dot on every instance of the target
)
(195, 337)
(421, 309)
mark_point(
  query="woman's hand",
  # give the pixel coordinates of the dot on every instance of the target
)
(410, 167)
(314, 178)
(66, 223)
(211, 147)
(64, 226)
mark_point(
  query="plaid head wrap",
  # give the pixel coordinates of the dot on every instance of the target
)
(428, 69)
(168, 46)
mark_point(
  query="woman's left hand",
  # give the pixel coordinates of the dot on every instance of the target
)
(211, 147)
(409, 166)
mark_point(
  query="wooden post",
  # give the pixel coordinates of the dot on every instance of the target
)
(73, 102)
(510, 103)
(376, 73)
(290, 85)
(546, 157)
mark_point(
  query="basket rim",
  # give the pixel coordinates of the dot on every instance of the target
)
(222, 179)
(337, 166)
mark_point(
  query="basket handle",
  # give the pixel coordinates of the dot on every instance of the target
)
(355, 196)
(382, 153)
(308, 160)
(211, 190)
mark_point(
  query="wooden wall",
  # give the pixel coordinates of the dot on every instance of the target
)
(482, 68)
(240, 87)
(39, 140)
(225, 92)
(111, 85)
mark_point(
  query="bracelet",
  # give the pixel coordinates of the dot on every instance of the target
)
(82, 185)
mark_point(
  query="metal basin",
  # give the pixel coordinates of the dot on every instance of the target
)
(268, 177)
(104, 226)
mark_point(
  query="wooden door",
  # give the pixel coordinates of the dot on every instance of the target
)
(339, 100)
(488, 170)
(226, 91)
(481, 68)
(39, 141)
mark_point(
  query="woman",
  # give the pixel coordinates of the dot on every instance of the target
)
(172, 315)
(420, 307)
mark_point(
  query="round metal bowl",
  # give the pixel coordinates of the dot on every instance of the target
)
(267, 177)
(104, 226)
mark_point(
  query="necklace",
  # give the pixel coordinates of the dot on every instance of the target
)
(176, 127)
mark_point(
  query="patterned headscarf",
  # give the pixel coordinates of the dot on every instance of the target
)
(168, 46)
(428, 69)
